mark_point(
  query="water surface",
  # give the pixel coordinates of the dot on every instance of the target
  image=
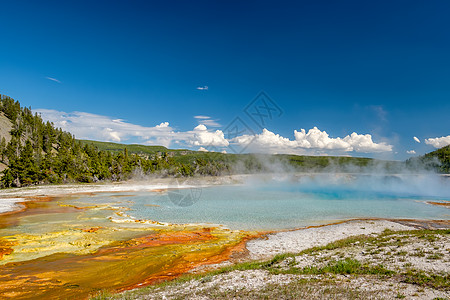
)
(294, 202)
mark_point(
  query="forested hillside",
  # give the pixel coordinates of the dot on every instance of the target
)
(438, 160)
(35, 152)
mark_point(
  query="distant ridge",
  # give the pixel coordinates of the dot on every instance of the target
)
(132, 148)
(36, 152)
(254, 163)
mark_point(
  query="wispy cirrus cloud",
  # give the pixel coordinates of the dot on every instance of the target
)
(207, 121)
(53, 79)
(202, 88)
(380, 112)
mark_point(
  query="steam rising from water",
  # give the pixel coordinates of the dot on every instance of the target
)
(292, 200)
(340, 178)
(342, 185)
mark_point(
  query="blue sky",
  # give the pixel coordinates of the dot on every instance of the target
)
(123, 67)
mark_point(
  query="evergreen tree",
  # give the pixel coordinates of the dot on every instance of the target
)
(40, 153)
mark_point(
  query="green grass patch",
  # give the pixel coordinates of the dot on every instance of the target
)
(347, 266)
(439, 282)
(347, 242)
(435, 256)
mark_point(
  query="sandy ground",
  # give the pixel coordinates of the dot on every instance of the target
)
(252, 284)
(248, 284)
(298, 240)
(294, 241)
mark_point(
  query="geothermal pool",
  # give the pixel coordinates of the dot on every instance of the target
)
(69, 241)
(277, 202)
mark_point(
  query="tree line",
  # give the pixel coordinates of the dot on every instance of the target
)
(36, 152)
(39, 153)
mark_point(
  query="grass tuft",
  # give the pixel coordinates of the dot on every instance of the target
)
(346, 266)
(439, 282)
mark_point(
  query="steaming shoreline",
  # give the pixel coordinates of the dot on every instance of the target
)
(95, 232)
(11, 200)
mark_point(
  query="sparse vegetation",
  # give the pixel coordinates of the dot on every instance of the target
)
(327, 276)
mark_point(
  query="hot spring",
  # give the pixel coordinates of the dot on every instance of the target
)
(273, 202)
(83, 235)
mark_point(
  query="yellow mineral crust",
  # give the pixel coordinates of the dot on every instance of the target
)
(119, 266)
(55, 250)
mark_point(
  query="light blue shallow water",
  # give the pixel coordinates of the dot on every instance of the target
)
(292, 203)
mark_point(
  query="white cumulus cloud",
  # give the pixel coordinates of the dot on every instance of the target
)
(203, 137)
(163, 125)
(438, 142)
(411, 152)
(265, 139)
(314, 139)
(103, 128)
(364, 143)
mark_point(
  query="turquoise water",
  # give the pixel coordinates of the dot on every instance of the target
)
(276, 203)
